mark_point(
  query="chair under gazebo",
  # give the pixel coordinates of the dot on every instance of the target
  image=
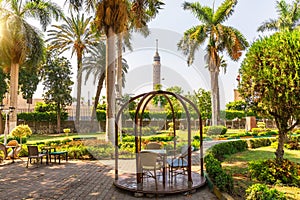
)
(188, 180)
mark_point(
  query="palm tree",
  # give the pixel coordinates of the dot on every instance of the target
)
(95, 64)
(288, 19)
(218, 38)
(21, 43)
(113, 18)
(74, 34)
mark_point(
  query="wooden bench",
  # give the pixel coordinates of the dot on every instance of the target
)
(58, 154)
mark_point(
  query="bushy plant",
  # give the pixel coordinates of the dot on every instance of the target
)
(262, 192)
(292, 145)
(260, 142)
(219, 151)
(21, 131)
(224, 181)
(270, 171)
(255, 131)
(128, 138)
(215, 130)
(267, 133)
(261, 125)
(127, 147)
(212, 165)
(161, 138)
(49, 116)
(214, 169)
(196, 144)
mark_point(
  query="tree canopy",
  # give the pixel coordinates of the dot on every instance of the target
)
(270, 80)
(57, 83)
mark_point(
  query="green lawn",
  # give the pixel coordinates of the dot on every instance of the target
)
(237, 165)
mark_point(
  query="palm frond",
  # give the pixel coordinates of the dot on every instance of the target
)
(193, 38)
(224, 11)
(95, 62)
(234, 42)
(270, 25)
(203, 13)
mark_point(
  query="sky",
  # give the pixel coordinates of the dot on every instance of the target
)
(168, 27)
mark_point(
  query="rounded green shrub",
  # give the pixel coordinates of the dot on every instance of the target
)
(271, 172)
(262, 192)
(215, 130)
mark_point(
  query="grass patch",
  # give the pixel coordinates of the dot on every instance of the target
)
(237, 165)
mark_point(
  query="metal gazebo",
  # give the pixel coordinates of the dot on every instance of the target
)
(132, 181)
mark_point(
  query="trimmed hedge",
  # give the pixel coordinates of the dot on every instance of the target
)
(222, 180)
(50, 116)
(213, 165)
(215, 130)
(261, 142)
(220, 151)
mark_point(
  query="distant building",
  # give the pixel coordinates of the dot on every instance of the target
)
(237, 96)
(23, 104)
(156, 67)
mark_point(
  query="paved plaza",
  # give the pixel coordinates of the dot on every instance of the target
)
(71, 180)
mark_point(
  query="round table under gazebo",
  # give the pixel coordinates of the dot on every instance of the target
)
(166, 184)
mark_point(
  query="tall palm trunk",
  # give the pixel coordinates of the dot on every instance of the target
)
(119, 78)
(215, 96)
(97, 96)
(13, 91)
(110, 86)
(79, 83)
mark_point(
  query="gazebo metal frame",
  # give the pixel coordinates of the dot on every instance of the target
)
(145, 98)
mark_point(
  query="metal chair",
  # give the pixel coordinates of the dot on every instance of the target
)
(33, 152)
(178, 163)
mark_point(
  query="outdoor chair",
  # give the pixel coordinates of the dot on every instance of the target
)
(178, 164)
(149, 165)
(33, 152)
(155, 145)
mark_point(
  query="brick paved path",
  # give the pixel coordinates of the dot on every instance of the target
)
(71, 180)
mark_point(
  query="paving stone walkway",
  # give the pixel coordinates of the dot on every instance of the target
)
(72, 180)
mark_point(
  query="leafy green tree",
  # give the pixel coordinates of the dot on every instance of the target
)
(57, 84)
(218, 38)
(288, 19)
(75, 35)
(159, 100)
(271, 83)
(236, 105)
(203, 102)
(21, 44)
(29, 80)
(178, 109)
